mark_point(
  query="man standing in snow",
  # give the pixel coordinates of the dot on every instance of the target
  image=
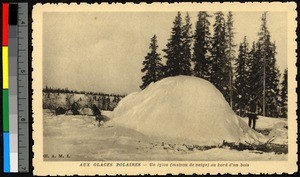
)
(97, 114)
(74, 108)
(252, 114)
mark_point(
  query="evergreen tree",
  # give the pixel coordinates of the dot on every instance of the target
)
(152, 65)
(201, 47)
(270, 70)
(177, 63)
(174, 48)
(187, 37)
(220, 69)
(241, 77)
(255, 75)
(230, 52)
(283, 95)
(272, 85)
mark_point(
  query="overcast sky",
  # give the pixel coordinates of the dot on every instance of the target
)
(104, 51)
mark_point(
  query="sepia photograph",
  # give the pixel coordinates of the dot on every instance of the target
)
(180, 85)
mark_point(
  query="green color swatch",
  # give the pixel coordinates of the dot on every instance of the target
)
(5, 111)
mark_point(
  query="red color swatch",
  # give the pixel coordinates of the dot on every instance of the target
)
(5, 24)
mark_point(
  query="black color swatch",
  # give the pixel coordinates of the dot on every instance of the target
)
(13, 14)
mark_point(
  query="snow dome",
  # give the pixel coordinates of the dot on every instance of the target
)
(186, 109)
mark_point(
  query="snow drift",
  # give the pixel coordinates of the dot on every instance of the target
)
(184, 109)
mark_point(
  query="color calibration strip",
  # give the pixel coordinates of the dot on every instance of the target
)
(5, 90)
(15, 87)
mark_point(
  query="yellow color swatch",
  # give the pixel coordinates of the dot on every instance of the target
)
(5, 66)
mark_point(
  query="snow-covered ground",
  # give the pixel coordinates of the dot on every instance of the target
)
(81, 139)
(272, 127)
(176, 118)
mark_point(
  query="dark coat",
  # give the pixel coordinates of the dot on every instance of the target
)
(252, 116)
(252, 106)
(74, 109)
(96, 111)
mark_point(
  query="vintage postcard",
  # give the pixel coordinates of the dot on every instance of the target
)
(161, 88)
